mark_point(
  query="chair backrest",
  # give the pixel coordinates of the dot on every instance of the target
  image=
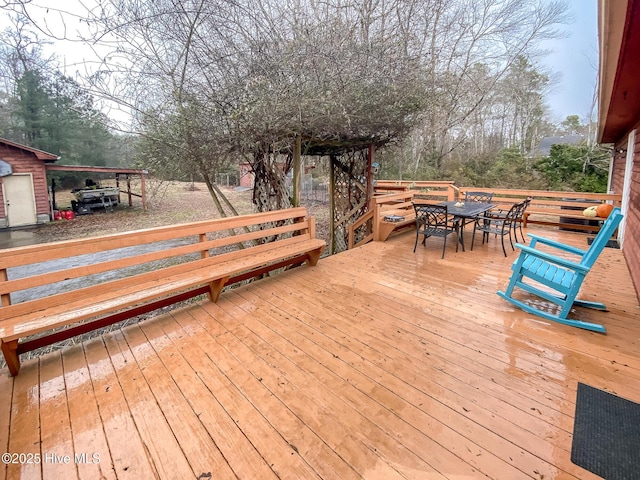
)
(512, 216)
(484, 197)
(525, 203)
(431, 216)
(605, 233)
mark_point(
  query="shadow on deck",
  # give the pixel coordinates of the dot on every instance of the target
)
(377, 363)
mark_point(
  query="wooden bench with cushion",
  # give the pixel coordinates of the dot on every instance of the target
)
(570, 214)
(102, 280)
(557, 209)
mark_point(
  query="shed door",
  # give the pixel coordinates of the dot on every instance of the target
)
(20, 200)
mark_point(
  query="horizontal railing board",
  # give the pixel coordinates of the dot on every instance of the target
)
(52, 251)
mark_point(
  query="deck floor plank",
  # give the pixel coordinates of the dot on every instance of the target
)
(531, 356)
(496, 395)
(439, 345)
(58, 461)
(89, 437)
(130, 456)
(187, 371)
(364, 393)
(326, 462)
(306, 375)
(378, 363)
(25, 419)
(319, 413)
(6, 392)
(484, 308)
(466, 420)
(151, 423)
(268, 442)
(199, 448)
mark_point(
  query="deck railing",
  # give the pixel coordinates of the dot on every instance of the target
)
(549, 208)
(442, 189)
(391, 195)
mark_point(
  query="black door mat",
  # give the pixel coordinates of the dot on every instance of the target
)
(610, 243)
(606, 434)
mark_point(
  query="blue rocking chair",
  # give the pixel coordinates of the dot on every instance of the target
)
(559, 274)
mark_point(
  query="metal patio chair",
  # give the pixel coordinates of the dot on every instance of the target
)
(434, 221)
(517, 225)
(497, 225)
(484, 197)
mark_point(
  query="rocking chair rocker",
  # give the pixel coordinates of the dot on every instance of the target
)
(559, 274)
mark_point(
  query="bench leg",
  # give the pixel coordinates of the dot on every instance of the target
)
(215, 288)
(10, 352)
(313, 256)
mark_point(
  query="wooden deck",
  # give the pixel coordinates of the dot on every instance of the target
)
(378, 363)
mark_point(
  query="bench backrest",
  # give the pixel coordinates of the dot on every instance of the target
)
(541, 199)
(604, 235)
(68, 265)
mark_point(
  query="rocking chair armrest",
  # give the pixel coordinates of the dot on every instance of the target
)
(558, 245)
(563, 262)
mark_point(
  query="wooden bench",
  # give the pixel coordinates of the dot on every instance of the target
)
(568, 212)
(90, 283)
(400, 205)
(548, 208)
(394, 204)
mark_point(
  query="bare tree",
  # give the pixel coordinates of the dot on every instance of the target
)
(21, 49)
(247, 77)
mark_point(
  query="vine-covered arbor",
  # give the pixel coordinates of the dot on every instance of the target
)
(351, 181)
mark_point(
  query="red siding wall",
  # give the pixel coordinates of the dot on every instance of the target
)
(619, 161)
(631, 247)
(246, 175)
(26, 162)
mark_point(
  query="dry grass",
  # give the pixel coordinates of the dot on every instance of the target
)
(168, 204)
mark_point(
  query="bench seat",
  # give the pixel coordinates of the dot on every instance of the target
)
(46, 313)
(560, 214)
(387, 227)
(394, 204)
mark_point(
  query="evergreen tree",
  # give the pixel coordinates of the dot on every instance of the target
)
(576, 167)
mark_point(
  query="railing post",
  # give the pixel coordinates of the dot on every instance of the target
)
(452, 192)
(202, 239)
(6, 298)
(376, 222)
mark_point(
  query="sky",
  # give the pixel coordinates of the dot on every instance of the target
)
(574, 59)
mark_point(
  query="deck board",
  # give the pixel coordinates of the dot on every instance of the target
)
(370, 396)
(6, 392)
(332, 412)
(150, 421)
(129, 455)
(88, 432)
(55, 425)
(195, 375)
(377, 363)
(290, 426)
(450, 405)
(192, 436)
(24, 433)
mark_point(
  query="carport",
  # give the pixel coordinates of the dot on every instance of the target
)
(123, 176)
